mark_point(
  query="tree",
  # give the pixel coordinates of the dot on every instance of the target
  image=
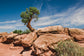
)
(28, 15)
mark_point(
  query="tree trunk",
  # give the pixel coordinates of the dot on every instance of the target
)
(29, 26)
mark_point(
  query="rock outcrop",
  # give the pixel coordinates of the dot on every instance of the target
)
(3, 36)
(19, 38)
(78, 34)
(30, 38)
(47, 42)
(41, 42)
(51, 29)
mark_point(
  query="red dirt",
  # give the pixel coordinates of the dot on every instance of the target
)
(9, 50)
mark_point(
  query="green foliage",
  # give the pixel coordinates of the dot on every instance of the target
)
(22, 32)
(24, 21)
(17, 31)
(33, 12)
(26, 31)
(69, 48)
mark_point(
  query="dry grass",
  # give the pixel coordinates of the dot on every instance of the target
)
(69, 48)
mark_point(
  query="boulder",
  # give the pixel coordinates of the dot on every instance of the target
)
(3, 36)
(44, 42)
(76, 31)
(11, 35)
(51, 29)
(30, 38)
(77, 34)
(10, 38)
(3, 39)
(19, 38)
(79, 37)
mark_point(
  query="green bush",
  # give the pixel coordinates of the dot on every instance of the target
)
(22, 32)
(69, 48)
(18, 31)
(26, 31)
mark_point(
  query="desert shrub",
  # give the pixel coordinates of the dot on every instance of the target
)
(22, 32)
(18, 31)
(69, 48)
(26, 31)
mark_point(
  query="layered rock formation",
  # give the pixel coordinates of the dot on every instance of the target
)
(41, 42)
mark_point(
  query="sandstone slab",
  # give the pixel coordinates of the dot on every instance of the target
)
(30, 38)
(44, 42)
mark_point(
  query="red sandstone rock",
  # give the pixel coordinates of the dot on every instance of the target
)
(78, 34)
(19, 38)
(79, 37)
(3, 36)
(10, 38)
(27, 42)
(44, 41)
(76, 31)
(12, 35)
(51, 29)
(3, 33)
(3, 39)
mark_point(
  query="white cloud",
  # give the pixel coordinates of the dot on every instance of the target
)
(6, 27)
(72, 17)
(18, 23)
(13, 21)
(9, 25)
(78, 17)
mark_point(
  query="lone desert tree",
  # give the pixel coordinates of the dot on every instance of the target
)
(28, 15)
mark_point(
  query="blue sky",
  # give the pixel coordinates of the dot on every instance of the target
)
(68, 13)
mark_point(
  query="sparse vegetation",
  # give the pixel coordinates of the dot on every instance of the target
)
(26, 31)
(69, 48)
(18, 31)
(22, 32)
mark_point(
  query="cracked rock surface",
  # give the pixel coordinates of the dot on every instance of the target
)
(41, 42)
